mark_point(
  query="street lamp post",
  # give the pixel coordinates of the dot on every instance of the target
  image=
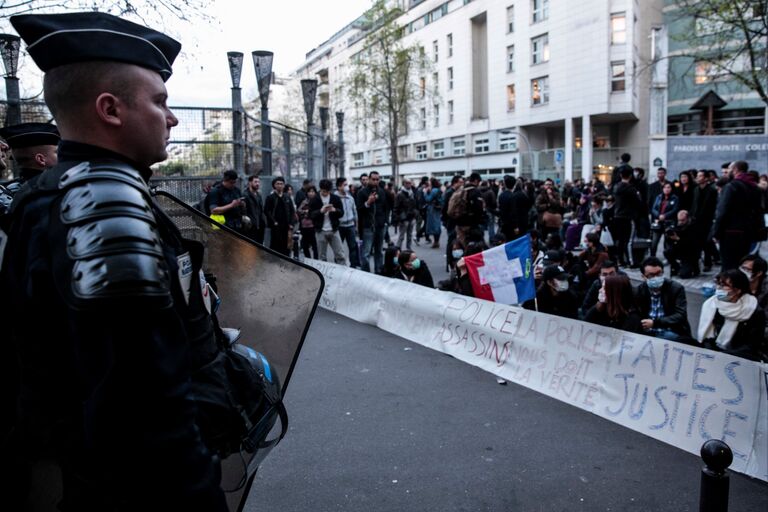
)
(9, 49)
(309, 92)
(262, 62)
(324, 127)
(235, 60)
(340, 142)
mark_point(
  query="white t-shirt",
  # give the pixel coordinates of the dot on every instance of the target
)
(326, 217)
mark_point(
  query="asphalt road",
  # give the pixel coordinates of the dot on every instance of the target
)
(379, 423)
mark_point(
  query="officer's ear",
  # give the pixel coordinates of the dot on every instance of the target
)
(109, 109)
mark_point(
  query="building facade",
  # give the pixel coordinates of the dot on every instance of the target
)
(543, 88)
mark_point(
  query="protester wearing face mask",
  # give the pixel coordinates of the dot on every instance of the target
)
(615, 306)
(662, 304)
(553, 295)
(414, 270)
(391, 266)
(607, 269)
(459, 281)
(756, 268)
(731, 320)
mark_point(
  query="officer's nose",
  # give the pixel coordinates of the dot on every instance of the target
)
(172, 120)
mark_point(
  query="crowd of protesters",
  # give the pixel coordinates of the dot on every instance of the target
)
(584, 235)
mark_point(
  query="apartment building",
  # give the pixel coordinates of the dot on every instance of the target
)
(554, 88)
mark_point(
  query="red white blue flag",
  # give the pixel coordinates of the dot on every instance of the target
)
(503, 274)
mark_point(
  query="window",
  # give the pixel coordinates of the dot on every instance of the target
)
(618, 28)
(482, 144)
(507, 141)
(436, 112)
(510, 58)
(434, 51)
(449, 42)
(459, 146)
(540, 49)
(450, 79)
(404, 152)
(358, 159)
(510, 97)
(423, 118)
(618, 77)
(423, 86)
(510, 19)
(375, 128)
(378, 156)
(540, 91)
(450, 112)
(421, 151)
(435, 83)
(438, 149)
(540, 10)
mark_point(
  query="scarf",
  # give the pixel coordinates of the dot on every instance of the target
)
(732, 312)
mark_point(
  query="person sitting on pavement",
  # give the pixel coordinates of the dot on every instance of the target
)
(731, 320)
(683, 249)
(553, 295)
(460, 281)
(615, 306)
(391, 266)
(592, 258)
(755, 268)
(414, 270)
(662, 304)
(607, 269)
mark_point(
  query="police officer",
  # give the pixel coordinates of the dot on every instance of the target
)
(108, 309)
(33, 147)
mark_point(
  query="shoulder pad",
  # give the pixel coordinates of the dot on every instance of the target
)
(111, 236)
(86, 172)
(101, 199)
(129, 274)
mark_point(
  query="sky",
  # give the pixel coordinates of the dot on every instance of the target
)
(289, 28)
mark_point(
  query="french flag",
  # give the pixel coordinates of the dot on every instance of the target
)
(503, 274)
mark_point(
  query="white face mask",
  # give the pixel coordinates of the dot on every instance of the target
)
(345, 188)
(746, 272)
(561, 286)
(601, 295)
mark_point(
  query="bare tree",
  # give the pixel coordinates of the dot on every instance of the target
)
(386, 78)
(726, 38)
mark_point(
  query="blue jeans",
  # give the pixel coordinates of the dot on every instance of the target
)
(348, 235)
(373, 242)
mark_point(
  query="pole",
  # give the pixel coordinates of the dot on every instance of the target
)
(13, 115)
(266, 143)
(237, 130)
(287, 146)
(310, 152)
(340, 156)
(715, 481)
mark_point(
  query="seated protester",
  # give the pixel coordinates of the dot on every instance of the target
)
(755, 268)
(607, 269)
(615, 306)
(662, 304)
(552, 257)
(593, 257)
(553, 242)
(553, 295)
(731, 320)
(463, 285)
(683, 249)
(536, 242)
(414, 270)
(391, 267)
(452, 283)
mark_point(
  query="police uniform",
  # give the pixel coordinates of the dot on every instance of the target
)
(108, 308)
(27, 135)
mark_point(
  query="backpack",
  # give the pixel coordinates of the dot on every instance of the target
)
(457, 205)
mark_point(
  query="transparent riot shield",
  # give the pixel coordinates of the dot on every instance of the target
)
(268, 297)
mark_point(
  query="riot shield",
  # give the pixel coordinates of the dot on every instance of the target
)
(270, 298)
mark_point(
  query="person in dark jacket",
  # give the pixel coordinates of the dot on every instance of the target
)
(280, 214)
(615, 306)
(655, 188)
(684, 189)
(624, 164)
(391, 266)
(663, 215)
(702, 215)
(683, 248)
(254, 209)
(325, 210)
(514, 208)
(405, 213)
(662, 304)
(553, 295)
(468, 225)
(738, 217)
(104, 333)
(608, 268)
(592, 258)
(450, 224)
(372, 212)
(227, 200)
(624, 211)
(414, 270)
(732, 320)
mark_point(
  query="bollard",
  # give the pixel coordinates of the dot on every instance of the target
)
(715, 481)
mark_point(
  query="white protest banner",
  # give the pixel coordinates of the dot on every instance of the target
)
(679, 394)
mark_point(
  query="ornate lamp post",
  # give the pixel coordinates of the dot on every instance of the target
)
(235, 60)
(340, 142)
(324, 126)
(9, 49)
(262, 63)
(309, 92)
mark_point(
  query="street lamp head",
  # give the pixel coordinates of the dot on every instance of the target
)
(9, 49)
(235, 60)
(340, 120)
(262, 62)
(309, 92)
(323, 118)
